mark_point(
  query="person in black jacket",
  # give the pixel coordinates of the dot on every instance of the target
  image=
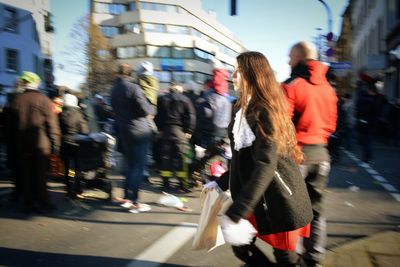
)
(72, 122)
(265, 182)
(176, 120)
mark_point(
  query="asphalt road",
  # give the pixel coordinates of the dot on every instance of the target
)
(95, 232)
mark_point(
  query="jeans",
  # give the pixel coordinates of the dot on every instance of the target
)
(135, 163)
(316, 178)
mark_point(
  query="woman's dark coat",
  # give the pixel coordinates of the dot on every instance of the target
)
(265, 184)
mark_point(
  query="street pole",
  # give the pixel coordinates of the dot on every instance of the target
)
(329, 11)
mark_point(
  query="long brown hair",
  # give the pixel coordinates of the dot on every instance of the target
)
(260, 86)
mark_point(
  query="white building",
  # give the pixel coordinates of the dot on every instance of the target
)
(369, 34)
(25, 40)
(177, 36)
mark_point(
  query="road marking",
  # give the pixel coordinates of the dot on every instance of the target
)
(382, 181)
(396, 196)
(165, 247)
(372, 171)
(389, 188)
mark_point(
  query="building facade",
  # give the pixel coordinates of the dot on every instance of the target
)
(25, 41)
(177, 36)
(392, 77)
(369, 32)
(343, 52)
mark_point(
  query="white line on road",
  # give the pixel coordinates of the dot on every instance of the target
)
(165, 247)
(396, 196)
(372, 171)
(389, 188)
(382, 181)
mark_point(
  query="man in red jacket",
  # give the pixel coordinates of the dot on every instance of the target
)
(313, 106)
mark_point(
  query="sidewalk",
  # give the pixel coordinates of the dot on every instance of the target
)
(379, 250)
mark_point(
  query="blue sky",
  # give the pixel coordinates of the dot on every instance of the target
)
(268, 26)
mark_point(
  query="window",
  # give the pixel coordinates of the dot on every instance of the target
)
(181, 52)
(100, 8)
(48, 23)
(158, 51)
(132, 27)
(201, 77)
(200, 54)
(126, 52)
(114, 9)
(109, 31)
(140, 51)
(177, 29)
(10, 19)
(36, 64)
(12, 60)
(182, 76)
(151, 27)
(163, 76)
(153, 6)
(132, 6)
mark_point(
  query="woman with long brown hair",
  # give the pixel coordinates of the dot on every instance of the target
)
(265, 183)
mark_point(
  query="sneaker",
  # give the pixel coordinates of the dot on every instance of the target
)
(140, 207)
(127, 204)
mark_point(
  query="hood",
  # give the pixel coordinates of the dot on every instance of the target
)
(317, 72)
(313, 71)
(219, 81)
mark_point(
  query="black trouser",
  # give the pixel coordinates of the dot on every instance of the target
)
(69, 155)
(254, 257)
(174, 160)
(33, 167)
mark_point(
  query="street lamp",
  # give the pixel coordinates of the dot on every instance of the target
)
(329, 11)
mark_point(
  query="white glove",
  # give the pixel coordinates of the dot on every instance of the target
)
(237, 234)
(210, 185)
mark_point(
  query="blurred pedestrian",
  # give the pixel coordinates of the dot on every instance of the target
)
(313, 108)
(394, 120)
(349, 120)
(367, 114)
(218, 98)
(37, 135)
(72, 122)
(204, 130)
(176, 120)
(132, 110)
(150, 86)
(265, 182)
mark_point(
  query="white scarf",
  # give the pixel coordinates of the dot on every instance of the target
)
(243, 136)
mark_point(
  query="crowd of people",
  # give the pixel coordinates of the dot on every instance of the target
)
(279, 134)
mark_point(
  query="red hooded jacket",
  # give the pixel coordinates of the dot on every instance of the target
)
(312, 104)
(219, 81)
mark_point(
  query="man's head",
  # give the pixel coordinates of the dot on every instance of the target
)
(124, 69)
(302, 51)
(176, 88)
(29, 80)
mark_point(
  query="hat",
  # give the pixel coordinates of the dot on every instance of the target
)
(31, 80)
(146, 68)
(70, 101)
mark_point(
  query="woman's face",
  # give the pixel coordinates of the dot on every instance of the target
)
(236, 78)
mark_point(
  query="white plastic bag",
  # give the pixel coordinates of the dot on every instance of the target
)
(169, 200)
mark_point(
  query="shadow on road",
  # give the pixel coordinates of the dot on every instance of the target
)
(20, 257)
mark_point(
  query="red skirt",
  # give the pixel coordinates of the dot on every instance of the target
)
(285, 240)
